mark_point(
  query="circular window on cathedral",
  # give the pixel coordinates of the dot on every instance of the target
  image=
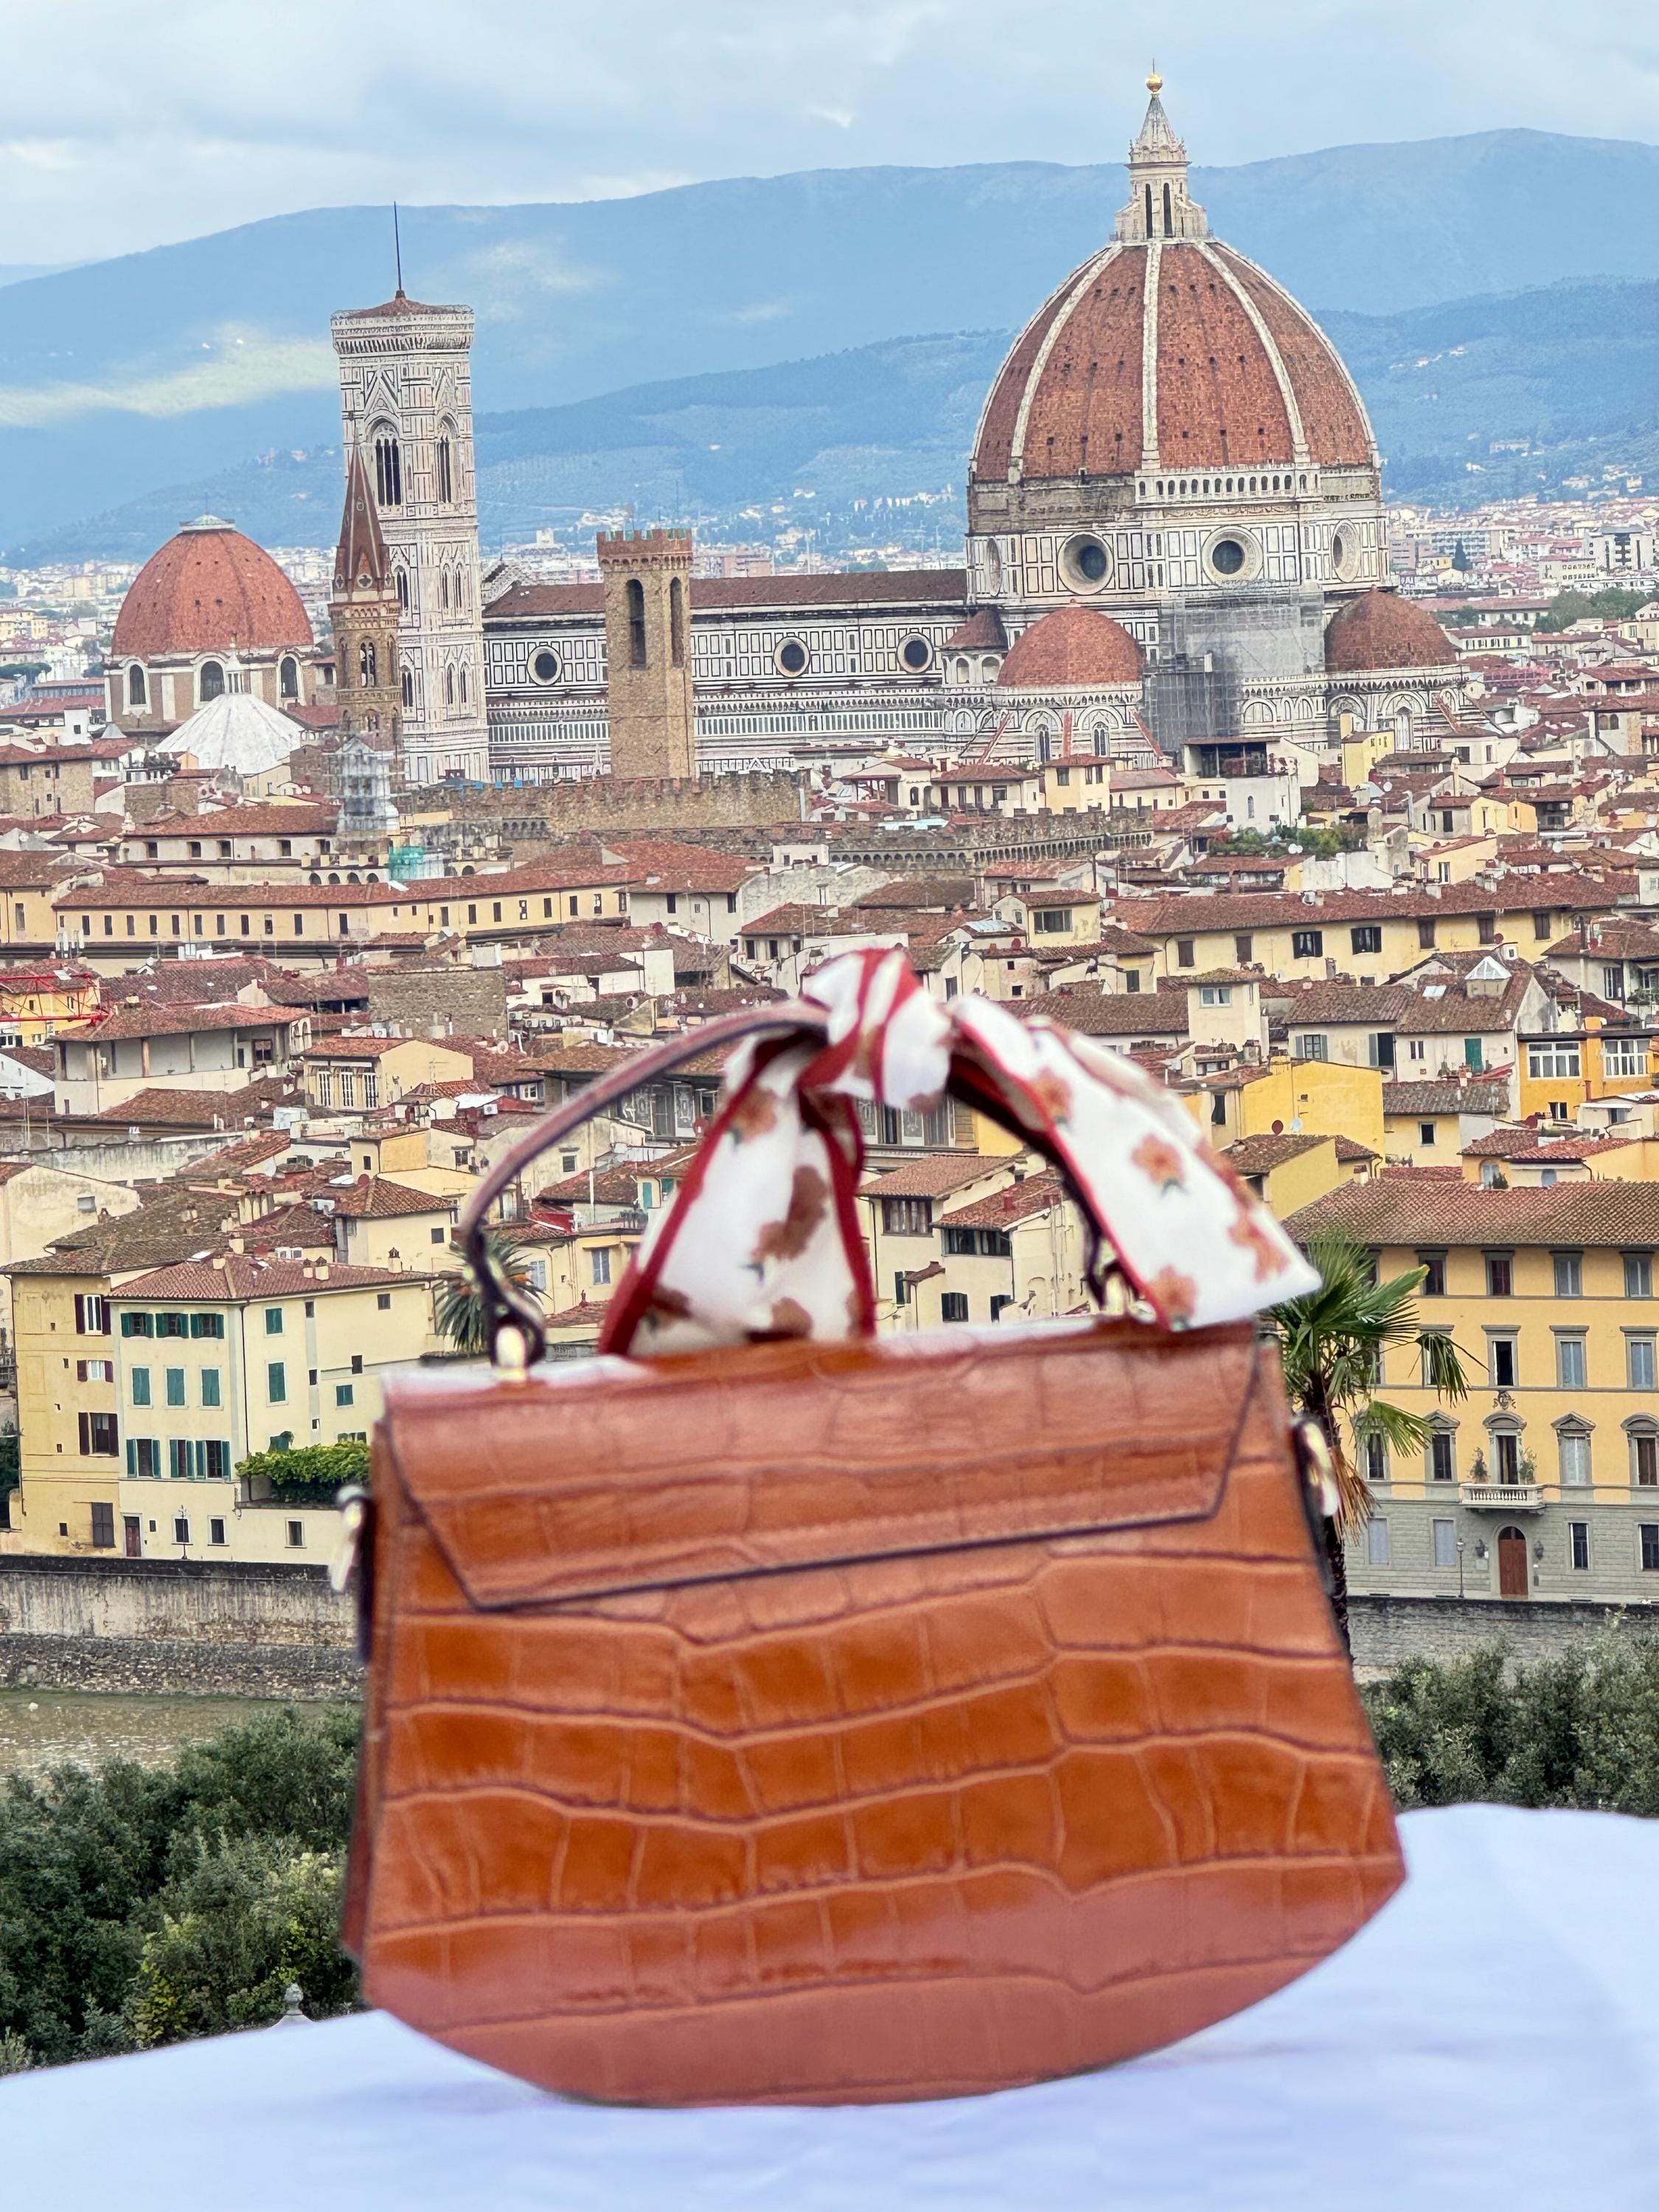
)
(916, 654)
(1227, 556)
(1084, 563)
(1344, 554)
(544, 666)
(792, 657)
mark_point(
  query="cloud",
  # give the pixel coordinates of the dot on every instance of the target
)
(244, 368)
(199, 114)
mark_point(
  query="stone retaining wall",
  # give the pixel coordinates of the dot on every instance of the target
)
(123, 1665)
(220, 1602)
(190, 1627)
(184, 1628)
(1386, 1630)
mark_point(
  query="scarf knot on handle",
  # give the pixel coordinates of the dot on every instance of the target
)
(762, 1238)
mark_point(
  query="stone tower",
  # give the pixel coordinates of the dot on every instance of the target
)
(365, 610)
(406, 405)
(648, 649)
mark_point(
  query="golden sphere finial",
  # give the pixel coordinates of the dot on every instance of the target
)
(1155, 82)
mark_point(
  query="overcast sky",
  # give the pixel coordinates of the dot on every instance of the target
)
(131, 123)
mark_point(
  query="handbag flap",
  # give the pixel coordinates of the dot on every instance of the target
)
(610, 1475)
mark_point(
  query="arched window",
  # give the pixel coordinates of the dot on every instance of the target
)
(388, 467)
(408, 689)
(635, 622)
(463, 686)
(443, 589)
(137, 691)
(1644, 1435)
(1402, 726)
(210, 681)
(288, 677)
(677, 622)
(449, 687)
(445, 465)
(367, 667)
(1169, 214)
(1149, 210)
(401, 577)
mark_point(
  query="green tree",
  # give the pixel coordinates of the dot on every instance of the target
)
(1580, 1728)
(281, 1774)
(9, 1459)
(92, 1863)
(460, 1313)
(234, 1928)
(1332, 1343)
(1613, 605)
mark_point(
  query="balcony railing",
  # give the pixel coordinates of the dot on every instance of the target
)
(1503, 1497)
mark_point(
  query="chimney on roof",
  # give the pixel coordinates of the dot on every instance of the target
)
(322, 1271)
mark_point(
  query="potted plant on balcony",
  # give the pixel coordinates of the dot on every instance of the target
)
(1478, 1469)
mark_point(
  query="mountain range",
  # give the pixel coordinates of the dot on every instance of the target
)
(1563, 382)
(170, 368)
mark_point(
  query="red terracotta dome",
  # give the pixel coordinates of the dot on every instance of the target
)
(209, 590)
(1220, 369)
(1379, 629)
(1073, 648)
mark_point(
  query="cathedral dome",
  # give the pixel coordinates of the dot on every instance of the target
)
(1178, 355)
(1168, 350)
(209, 590)
(1379, 629)
(1071, 649)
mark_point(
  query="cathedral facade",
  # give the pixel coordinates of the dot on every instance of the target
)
(1175, 540)
(1173, 496)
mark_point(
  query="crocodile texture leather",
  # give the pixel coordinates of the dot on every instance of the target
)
(810, 1724)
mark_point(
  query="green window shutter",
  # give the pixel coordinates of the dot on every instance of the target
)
(141, 1386)
(175, 1386)
(276, 1382)
(211, 1386)
(132, 1460)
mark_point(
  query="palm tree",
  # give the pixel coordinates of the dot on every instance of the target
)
(459, 1310)
(1332, 1343)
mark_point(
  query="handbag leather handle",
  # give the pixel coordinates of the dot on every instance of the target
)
(504, 1303)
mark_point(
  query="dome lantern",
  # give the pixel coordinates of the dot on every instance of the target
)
(1158, 205)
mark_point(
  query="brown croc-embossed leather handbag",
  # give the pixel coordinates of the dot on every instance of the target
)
(799, 1716)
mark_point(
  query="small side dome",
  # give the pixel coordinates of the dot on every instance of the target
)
(1379, 629)
(1074, 649)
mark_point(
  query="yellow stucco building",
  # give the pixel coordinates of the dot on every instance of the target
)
(1544, 1481)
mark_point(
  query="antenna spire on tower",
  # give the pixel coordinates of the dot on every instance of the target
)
(397, 249)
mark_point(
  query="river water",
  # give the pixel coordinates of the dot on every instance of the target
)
(41, 1729)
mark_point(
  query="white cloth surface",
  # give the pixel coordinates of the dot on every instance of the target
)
(1490, 2040)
